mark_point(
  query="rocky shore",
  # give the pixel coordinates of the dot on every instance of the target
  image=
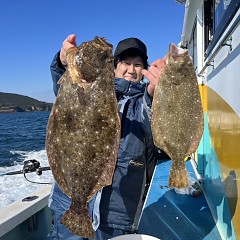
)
(10, 102)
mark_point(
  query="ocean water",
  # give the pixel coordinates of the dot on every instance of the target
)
(22, 137)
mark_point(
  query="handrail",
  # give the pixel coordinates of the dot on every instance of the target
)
(222, 43)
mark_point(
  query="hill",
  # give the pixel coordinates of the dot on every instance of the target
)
(10, 102)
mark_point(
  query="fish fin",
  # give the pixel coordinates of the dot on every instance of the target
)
(77, 219)
(178, 177)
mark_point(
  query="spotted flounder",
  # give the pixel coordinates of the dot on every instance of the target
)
(177, 115)
(83, 130)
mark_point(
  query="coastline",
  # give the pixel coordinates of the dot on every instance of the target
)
(12, 109)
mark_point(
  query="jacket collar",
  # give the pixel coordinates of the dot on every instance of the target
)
(128, 88)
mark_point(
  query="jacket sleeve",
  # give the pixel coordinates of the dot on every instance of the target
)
(57, 70)
(150, 148)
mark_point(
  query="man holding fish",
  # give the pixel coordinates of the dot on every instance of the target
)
(116, 208)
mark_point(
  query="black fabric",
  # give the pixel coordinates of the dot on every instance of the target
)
(131, 43)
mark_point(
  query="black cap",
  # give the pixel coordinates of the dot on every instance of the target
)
(131, 43)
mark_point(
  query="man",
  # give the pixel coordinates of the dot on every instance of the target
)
(116, 209)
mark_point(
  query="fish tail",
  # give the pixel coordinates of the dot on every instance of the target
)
(77, 220)
(178, 177)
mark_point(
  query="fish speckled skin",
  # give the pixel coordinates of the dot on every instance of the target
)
(177, 115)
(83, 130)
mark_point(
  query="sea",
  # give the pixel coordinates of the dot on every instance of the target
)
(22, 138)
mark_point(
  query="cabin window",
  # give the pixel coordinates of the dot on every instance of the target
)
(217, 16)
(193, 45)
(220, 9)
(195, 57)
(208, 22)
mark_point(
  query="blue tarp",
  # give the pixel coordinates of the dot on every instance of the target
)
(168, 215)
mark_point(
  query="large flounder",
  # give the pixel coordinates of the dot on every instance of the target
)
(83, 130)
(177, 115)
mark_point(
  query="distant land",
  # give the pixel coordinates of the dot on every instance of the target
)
(11, 102)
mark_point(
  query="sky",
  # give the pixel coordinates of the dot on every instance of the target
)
(32, 32)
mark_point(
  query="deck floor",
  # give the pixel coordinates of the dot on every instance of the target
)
(168, 215)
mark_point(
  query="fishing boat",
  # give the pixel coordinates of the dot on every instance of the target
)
(211, 33)
(30, 217)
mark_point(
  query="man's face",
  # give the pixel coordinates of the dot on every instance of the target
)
(130, 69)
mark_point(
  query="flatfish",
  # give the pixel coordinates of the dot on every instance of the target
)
(177, 115)
(83, 131)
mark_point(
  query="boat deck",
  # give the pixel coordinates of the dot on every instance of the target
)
(27, 219)
(168, 215)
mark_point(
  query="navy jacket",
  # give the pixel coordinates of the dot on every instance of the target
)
(121, 203)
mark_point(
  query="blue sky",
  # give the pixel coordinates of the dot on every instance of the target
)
(32, 31)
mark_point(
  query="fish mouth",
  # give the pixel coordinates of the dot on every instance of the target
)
(177, 53)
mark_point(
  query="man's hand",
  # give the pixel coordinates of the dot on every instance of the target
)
(69, 42)
(153, 74)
